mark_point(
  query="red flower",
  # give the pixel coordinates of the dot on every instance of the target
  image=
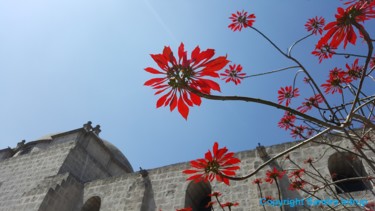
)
(337, 78)
(309, 133)
(210, 203)
(185, 209)
(315, 25)
(257, 181)
(297, 185)
(298, 131)
(287, 94)
(342, 30)
(372, 63)
(233, 74)
(297, 173)
(267, 198)
(241, 20)
(216, 194)
(178, 75)
(310, 102)
(360, 2)
(230, 204)
(214, 165)
(323, 51)
(370, 206)
(287, 120)
(308, 160)
(334, 175)
(354, 71)
(306, 80)
(273, 175)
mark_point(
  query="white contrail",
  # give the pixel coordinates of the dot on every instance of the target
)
(161, 22)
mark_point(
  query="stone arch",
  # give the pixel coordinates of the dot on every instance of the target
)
(345, 165)
(197, 196)
(92, 204)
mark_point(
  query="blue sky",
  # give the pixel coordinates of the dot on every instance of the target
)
(63, 63)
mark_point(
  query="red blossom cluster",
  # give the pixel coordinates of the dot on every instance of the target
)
(310, 103)
(297, 173)
(323, 51)
(341, 30)
(354, 71)
(315, 25)
(308, 160)
(267, 198)
(287, 121)
(185, 76)
(216, 164)
(298, 131)
(337, 79)
(297, 184)
(286, 94)
(241, 20)
(183, 73)
(233, 74)
(372, 63)
(257, 181)
(360, 2)
(230, 204)
(210, 204)
(216, 195)
(271, 176)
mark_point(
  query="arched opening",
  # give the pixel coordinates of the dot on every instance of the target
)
(92, 204)
(345, 165)
(197, 196)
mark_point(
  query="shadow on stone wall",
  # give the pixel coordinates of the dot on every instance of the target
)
(148, 201)
(286, 194)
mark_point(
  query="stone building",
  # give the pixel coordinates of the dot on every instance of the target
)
(78, 170)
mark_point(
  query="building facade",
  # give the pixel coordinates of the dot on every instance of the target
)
(79, 171)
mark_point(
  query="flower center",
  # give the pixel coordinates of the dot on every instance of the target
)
(354, 73)
(179, 76)
(336, 82)
(315, 25)
(242, 19)
(348, 18)
(233, 74)
(212, 166)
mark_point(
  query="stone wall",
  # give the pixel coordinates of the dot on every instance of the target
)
(64, 193)
(165, 188)
(20, 175)
(74, 170)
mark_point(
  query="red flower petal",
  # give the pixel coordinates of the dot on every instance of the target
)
(154, 81)
(183, 108)
(196, 99)
(181, 51)
(162, 100)
(216, 64)
(173, 103)
(160, 61)
(152, 70)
